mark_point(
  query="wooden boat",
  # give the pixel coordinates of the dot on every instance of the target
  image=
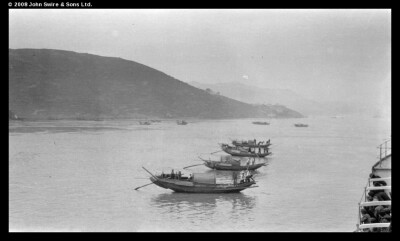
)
(382, 172)
(251, 143)
(260, 123)
(181, 122)
(145, 123)
(199, 183)
(218, 165)
(245, 152)
(300, 125)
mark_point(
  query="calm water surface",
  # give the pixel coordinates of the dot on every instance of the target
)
(81, 175)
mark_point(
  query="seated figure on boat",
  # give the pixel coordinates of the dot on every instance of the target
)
(376, 214)
(366, 217)
(379, 195)
(248, 176)
(377, 183)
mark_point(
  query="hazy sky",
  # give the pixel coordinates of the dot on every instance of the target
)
(320, 54)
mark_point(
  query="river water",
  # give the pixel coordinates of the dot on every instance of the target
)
(81, 175)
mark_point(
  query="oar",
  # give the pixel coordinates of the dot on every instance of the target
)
(143, 186)
(194, 165)
(215, 152)
(148, 183)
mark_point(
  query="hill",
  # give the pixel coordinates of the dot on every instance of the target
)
(57, 84)
(253, 95)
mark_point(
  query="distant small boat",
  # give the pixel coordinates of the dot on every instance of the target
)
(260, 123)
(145, 123)
(198, 183)
(300, 125)
(181, 122)
(155, 121)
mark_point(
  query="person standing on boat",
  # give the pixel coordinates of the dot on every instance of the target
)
(253, 161)
(190, 176)
(234, 177)
(248, 176)
(172, 174)
(241, 176)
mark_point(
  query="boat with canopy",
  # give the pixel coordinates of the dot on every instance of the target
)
(251, 143)
(227, 163)
(258, 151)
(199, 183)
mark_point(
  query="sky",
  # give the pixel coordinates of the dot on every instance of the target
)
(321, 54)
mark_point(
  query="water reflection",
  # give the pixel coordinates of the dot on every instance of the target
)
(203, 205)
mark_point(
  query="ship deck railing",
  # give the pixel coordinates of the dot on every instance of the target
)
(385, 149)
(376, 203)
(366, 203)
(379, 188)
(379, 179)
(374, 225)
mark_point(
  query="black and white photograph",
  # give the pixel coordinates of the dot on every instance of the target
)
(198, 120)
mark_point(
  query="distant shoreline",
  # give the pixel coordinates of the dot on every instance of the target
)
(147, 119)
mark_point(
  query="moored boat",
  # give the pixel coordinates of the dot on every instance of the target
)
(251, 143)
(228, 163)
(245, 152)
(199, 183)
(145, 123)
(218, 165)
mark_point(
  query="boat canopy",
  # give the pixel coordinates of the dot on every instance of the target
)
(205, 178)
(230, 160)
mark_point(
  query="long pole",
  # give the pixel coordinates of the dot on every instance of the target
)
(386, 148)
(193, 165)
(150, 173)
(143, 186)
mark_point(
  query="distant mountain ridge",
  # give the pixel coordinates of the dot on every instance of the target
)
(252, 95)
(58, 84)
